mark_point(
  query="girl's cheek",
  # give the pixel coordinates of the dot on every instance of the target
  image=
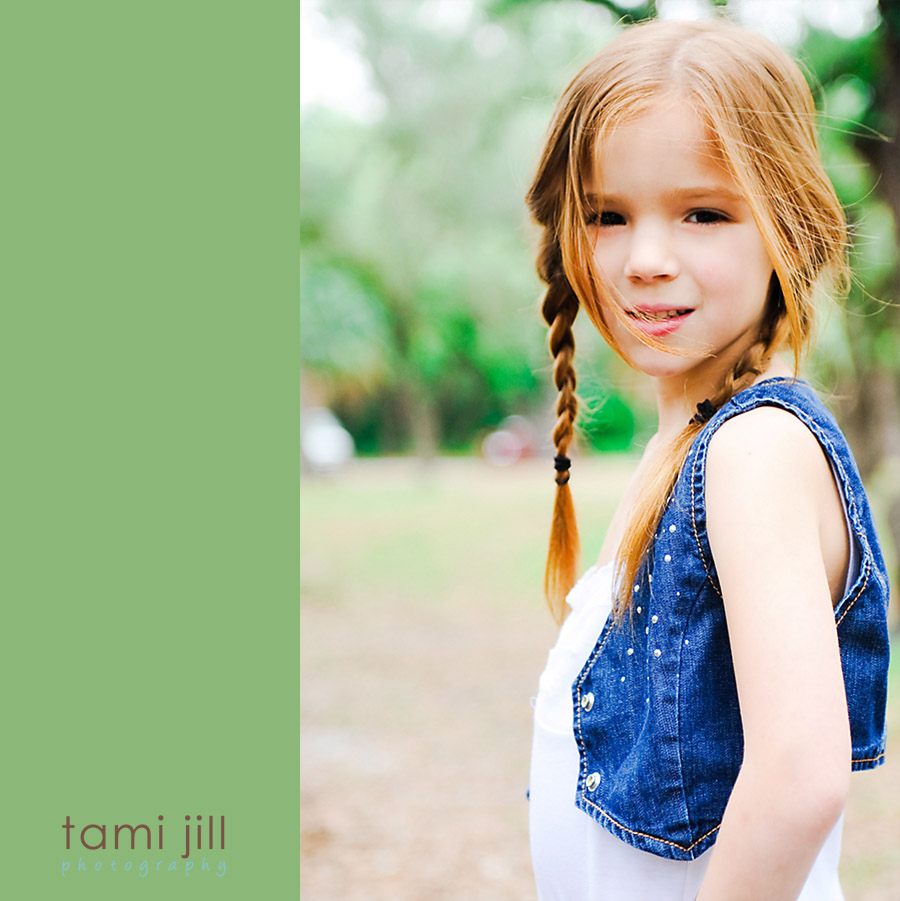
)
(715, 277)
(718, 272)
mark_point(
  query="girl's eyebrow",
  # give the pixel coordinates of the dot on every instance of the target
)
(703, 191)
(678, 194)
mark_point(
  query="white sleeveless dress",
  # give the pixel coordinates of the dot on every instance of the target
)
(574, 857)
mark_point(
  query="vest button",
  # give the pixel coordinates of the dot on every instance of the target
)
(587, 701)
(592, 781)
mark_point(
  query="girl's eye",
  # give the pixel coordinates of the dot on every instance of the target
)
(706, 217)
(605, 218)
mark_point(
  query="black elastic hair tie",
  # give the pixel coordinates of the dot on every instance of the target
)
(561, 464)
(705, 412)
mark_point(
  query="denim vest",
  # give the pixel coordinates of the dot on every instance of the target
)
(656, 716)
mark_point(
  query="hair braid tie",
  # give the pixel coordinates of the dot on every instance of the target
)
(561, 463)
(705, 411)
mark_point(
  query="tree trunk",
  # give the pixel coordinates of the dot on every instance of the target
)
(873, 424)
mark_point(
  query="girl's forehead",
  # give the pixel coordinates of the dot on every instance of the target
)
(656, 139)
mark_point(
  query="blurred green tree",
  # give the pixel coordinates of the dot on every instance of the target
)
(417, 276)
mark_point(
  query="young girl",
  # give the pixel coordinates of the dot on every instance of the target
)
(723, 666)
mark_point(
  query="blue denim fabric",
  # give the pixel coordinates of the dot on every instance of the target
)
(656, 714)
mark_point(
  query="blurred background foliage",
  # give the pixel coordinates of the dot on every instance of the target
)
(419, 303)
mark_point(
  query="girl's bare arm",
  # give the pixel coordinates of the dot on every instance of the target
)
(774, 524)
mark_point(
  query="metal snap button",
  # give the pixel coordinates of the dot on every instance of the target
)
(592, 781)
(587, 701)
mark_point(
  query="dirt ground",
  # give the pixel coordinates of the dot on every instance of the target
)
(415, 713)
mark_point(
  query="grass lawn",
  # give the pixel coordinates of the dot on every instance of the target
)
(423, 633)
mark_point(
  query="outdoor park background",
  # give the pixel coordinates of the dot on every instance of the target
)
(423, 630)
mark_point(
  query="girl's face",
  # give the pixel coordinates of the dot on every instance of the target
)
(676, 245)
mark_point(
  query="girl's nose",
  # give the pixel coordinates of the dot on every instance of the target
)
(650, 254)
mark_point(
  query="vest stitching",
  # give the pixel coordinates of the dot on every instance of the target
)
(684, 800)
(862, 588)
(694, 519)
(584, 674)
(859, 533)
(867, 759)
(647, 834)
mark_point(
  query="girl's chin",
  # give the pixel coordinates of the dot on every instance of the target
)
(699, 370)
(659, 365)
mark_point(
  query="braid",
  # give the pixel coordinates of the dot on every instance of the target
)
(749, 367)
(559, 309)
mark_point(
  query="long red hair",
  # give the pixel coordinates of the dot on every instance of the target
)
(761, 118)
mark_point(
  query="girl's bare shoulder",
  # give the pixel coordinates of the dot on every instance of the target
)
(762, 438)
(766, 467)
(769, 482)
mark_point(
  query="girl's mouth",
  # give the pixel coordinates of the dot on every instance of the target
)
(658, 322)
(658, 315)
